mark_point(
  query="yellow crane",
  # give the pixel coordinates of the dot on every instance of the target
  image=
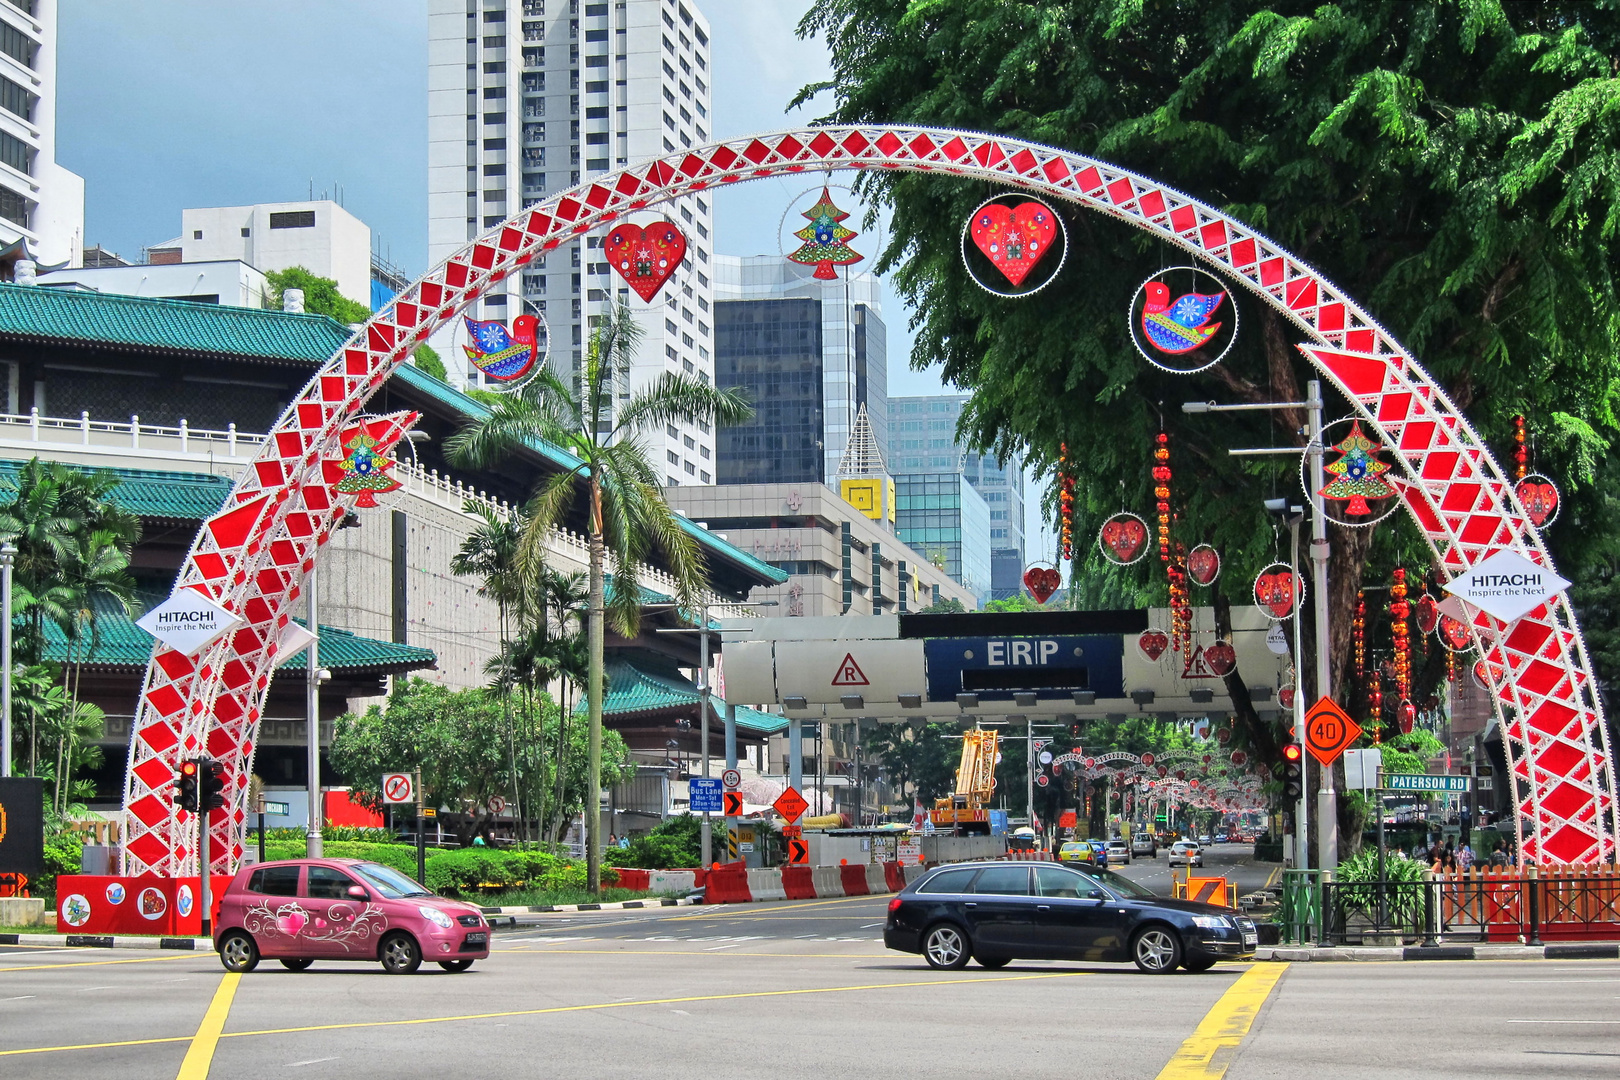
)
(967, 808)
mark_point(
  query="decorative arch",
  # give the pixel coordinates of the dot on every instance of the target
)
(254, 555)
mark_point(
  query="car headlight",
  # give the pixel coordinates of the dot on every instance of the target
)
(436, 917)
(1211, 922)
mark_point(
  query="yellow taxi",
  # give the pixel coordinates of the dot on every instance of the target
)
(1079, 851)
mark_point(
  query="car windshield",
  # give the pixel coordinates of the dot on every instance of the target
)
(392, 884)
(1123, 886)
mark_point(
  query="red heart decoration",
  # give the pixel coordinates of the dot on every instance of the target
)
(1147, 759)
(1125, 537)
(1042, 582)
(1014, 238)
(1153, 643)
(1428, 614)
(1408, 717)
(1220, 657)
(1285, 697)
(1540, 500)
(1203, 564)
(1455, 632)
(1275, 592)
(1482, 674)
(1223, 735)
(1239, 757)
(645, 258)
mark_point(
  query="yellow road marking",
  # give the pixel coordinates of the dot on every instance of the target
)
(1271, 879)
(1209, 1050)
(201, 1054)
(102, 963)
(545, 1012)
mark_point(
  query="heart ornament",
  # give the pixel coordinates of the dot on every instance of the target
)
(645, 257)
(1204, 564)
(1277, 590)
(1221, 657)
(1153, 643)
(1123, 539)
(1540, 498)
(1014, 238)
(1428, 613)
(1285, 696)
(1454, 632)
(1042, 582)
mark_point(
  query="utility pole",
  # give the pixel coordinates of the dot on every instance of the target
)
(312, 720)
(1327, 808)
(8, 559)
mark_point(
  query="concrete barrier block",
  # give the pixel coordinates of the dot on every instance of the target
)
(22, 911)
(766, 884)
(876, 880)
(828, 882)
(672, 881)
(913, 871)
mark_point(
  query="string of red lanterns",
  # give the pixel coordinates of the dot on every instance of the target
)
(1358, 642)
(1400, 631)
(1065, 504)
(1521, 449)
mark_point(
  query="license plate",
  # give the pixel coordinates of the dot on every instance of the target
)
(1251, 939)
(479, 938)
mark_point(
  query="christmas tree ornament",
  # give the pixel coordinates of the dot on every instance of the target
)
(1182, 320)
(371, 449)
(1203, 565)
(826, 239)
(1278, 591)
(1042, 581)
(1153, 643)
(1015, 235)
(1358, 493)
(1123, 539)
(1539, 497)
(645, 256)
(504, 357)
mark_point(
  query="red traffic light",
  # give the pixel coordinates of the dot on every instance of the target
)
(1290, 751)
(188, 768)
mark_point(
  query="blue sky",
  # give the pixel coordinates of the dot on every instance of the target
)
(174, 103)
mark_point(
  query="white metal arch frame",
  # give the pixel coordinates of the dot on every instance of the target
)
(253, 556)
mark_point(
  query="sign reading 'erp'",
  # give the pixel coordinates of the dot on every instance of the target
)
(1052, 667)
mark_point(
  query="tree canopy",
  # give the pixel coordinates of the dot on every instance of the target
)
(1454, 166)
(321, 296)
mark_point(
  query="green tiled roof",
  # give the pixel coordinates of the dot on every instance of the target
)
(45, 314)
(642, 687)
(177, 496)
(120, 643)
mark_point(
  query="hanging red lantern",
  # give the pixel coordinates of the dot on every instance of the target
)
(1400, 633)
(1065, 504)
(1408, 717)
(1358, 641)
(1521, 451)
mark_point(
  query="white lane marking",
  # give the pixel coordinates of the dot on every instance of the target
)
(1564, 1021)
(87, 989)
(311, 1061)
(867, 926)
(24, 997)
(717, 948)
(1564, 982)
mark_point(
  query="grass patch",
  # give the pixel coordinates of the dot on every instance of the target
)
(539, 897)
(47, 929)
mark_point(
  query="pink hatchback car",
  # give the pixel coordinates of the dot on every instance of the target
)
(304, 910)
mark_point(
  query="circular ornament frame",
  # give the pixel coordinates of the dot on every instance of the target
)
(1023, 289)
(1225, 336)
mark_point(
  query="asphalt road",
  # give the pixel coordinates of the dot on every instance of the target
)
(798, 991)
(1235, 862)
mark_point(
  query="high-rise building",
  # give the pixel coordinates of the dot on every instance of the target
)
(527, 98)
(810, 353)
(41, 203)
(922, 443)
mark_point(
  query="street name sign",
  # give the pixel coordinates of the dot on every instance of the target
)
(1423, 782)
(1506, 585)
(704, 794)
(277, 809)
(1329, 730)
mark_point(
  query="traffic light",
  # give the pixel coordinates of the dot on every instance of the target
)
(185, 783)
(1292, 772)
(211, 790)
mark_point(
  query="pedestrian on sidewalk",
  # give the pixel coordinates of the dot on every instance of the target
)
(1499, 854)
(1465, 858)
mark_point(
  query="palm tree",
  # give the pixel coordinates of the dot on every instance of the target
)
(627, 517)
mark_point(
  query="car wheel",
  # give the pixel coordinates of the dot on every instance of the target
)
(296, 964)
(238, 952)
(994, 963)
(400, 954)
(945, 946)
(455, 965)
(1203, 963)
(1156, 950)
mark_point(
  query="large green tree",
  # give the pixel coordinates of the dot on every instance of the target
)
(599, 419)
(1453, 165)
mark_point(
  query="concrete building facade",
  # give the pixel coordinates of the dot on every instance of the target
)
(41, 203)
(527, 98)
(840, 560)
(320, 236)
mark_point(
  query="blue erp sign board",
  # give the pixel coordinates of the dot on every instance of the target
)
(703, 793)
(1052, 667)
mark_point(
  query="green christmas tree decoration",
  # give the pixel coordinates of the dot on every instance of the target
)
(366, 472)
(825, 240)
(1357, 474)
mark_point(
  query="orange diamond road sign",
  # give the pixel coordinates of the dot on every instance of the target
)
(790, 805)
(850, 673)
(1329, 731)
(798, 852)
(731, 804)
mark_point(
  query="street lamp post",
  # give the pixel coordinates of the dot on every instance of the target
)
(8, 559)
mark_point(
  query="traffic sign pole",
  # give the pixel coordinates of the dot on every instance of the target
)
(1302, 830)
(421, 838)
(1327, 810)
(731, 767)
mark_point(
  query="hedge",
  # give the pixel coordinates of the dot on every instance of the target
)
(461, 871)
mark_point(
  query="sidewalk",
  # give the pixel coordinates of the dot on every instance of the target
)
(1570, 950)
